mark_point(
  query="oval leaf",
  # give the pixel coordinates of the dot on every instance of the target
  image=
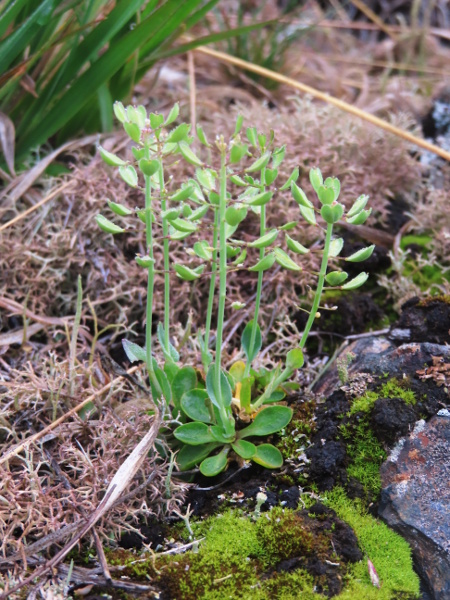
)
(194, 434)
(148, 167)
(331, 214)
(189, 155)
(244, 449)
(222, 396)
(358, 205)
(264, 264)
(107, 225)
(129, 175)
(195, 404)
(213, 465)
(111, 159)
(336, 246)
(119, 209)
(259, 199)
(234, 216)
(265, 240)
(300, 196)
(361, 255)
(189, 456)
(308, 214)
(294, 359)
(184, 381)
(267, 421)
(295, 246)
(359, 218)
(285, 261)
(186, 273)
(336, 277)
(268, 456)
(356, 282)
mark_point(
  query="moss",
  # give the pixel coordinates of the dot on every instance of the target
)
(283, 534)
(394, 388)
(366, 455)
(390, 554)
(239, 555)
(445, 298)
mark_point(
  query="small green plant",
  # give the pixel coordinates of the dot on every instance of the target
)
(211, 409)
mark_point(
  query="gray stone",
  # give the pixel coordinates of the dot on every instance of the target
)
(415, 500)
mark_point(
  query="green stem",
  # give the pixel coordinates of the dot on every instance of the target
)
(262, 231)
(212, 287)
(320, 284)
(226, 422)
(165, 227)
(150, 279)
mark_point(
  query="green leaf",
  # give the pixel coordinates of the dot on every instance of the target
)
(260, 199)
(198, 213)
(148, 167)
(194, 434)
(332, 213)
(188, 274)
(270, 175)
(335, 185)
(207, 178)
(265, 240)
(219, 434)
(144, 261)
(251, 353)
(129, 175)
(133, 131)
(268, 456)
(222, 396)
(244, 449)
(288, 226)
(234, 216)
(171, 213)
(295, 246)
(292, 178)
(184, 381)
(202, 137)
(188, 155)
(237, 152)
(239, 123)
(264, 264)
(107, 225)
(252, 135)
(213, 465)
(134, 352)
(359, 218)
(179, 134)
(269, 420)
(164, 384)
(259, 163)
(195, 404)
(308, 214)
(316, 179)
(119, 209)
(183, 226)
(361, 255)
(325, 194)
(300, 197)
(203, 250)
(238, 180)
(294, 359)
(156, 120)
(285, 261)
(335, 278)
(173, 114)
(356, 282)
(119, 111)
(278, 157)
(111, 159)
(189, 456)
(181, 194)
(358, 205)
(336, 246)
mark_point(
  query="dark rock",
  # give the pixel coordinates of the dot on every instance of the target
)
(392, 418)
(415, 499)
(423, 321)
(290, 497)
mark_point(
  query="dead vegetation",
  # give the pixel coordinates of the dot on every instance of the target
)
(49, 489)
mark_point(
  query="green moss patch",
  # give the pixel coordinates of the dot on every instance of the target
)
(389, 553)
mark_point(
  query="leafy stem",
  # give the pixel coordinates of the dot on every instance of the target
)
(320, 284)
(206, 357)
